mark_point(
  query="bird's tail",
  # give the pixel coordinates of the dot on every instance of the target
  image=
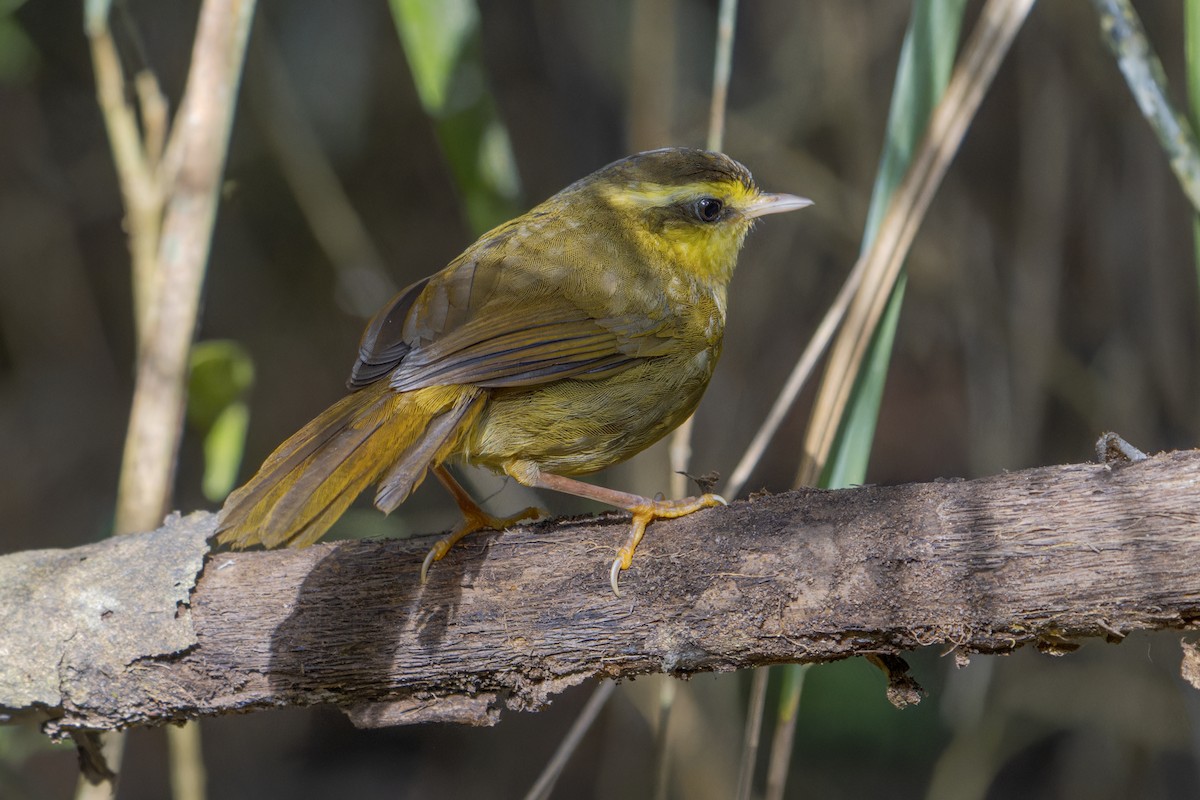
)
(372, 435)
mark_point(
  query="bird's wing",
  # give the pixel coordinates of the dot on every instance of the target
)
(501, 326)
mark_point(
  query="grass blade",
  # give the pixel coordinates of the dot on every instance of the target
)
(844, 416)
(1191, 42)
(926, 58)
(1126, 38)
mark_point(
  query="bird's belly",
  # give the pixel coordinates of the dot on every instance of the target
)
(572, 427)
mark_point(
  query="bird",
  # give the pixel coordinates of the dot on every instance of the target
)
(561, 342)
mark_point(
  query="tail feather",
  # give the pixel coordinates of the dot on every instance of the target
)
(312, 478)
(293, 456)
(435, 444)
(308, 499)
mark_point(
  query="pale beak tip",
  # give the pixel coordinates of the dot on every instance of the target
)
(777, 204)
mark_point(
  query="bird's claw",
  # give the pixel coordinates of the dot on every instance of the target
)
(614, 574)
(643, 516)
(473, 522)
(430, 557)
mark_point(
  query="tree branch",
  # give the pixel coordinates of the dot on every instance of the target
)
(147, 629)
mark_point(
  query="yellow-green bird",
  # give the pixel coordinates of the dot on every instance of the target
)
(560, 343)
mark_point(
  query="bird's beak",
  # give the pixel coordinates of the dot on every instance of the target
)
(767, 203)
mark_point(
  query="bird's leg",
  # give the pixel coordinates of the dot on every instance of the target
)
(474, 519)
(644, 509)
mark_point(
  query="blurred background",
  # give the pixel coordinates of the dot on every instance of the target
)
(1052, 296)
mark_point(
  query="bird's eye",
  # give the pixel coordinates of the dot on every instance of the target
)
(708, 209)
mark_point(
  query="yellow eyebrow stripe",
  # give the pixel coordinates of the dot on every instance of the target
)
(651, 195)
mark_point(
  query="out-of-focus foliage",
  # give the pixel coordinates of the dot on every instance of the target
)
(221, 374)
(1051, 295)
(434, 36)
(441, 41)
(18, 56)
(926, 58)
(1191, 32)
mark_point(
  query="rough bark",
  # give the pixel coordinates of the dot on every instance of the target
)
(148, 628)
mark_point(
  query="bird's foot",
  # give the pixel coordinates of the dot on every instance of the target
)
(643, 515)
(473, 520)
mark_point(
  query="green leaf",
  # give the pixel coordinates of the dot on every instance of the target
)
(1191, 39)
(220, 376)
(790, 691)
(442, 45)
(926, 60)
(847, 464)
(18, 55)
(223, 449)
(434, 35)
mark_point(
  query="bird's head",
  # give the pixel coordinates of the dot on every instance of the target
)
(692, 208)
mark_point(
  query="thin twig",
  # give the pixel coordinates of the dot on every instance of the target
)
(779, 764)
(652, 73)
(335, 224)
(880, 267)
(997, 27)
(722, 67)
(795, 383)
(753, 732)
(545, 783)
(680, 448)
(169, 219)
(137, 173)
(188, 778)
(199, 141)
(667, 690)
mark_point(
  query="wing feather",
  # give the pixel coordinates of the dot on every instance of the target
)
(491, 319)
